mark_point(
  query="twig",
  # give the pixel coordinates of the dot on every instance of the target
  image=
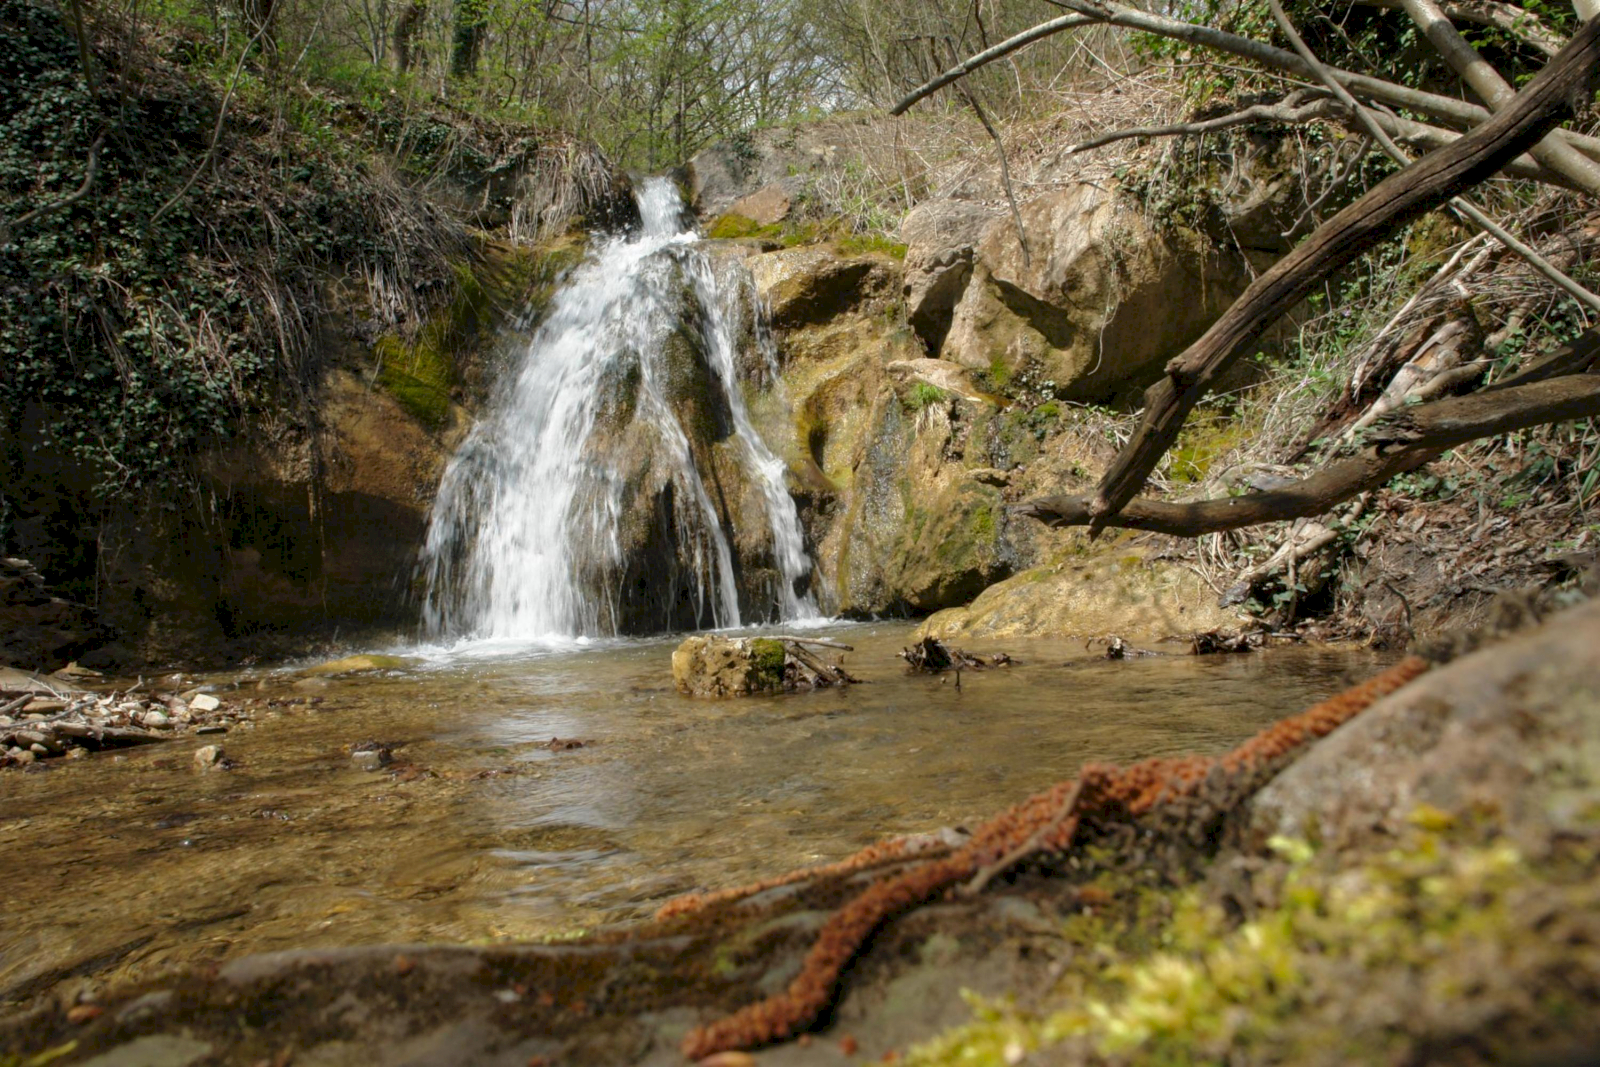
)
(823, 641)
(1289, 110)
(1005, 175)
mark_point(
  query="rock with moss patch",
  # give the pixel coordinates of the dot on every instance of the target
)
(712, 666)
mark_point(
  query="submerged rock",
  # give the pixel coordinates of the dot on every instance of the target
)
(357, 665)
(711, 666)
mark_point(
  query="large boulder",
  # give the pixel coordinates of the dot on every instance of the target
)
(1509, 734)
(1115, 592)
(815, 285)
(940, 236)
(1095, 305)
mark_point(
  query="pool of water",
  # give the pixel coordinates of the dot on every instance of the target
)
(122, 865)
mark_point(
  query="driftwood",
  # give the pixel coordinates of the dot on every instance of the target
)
(934, 656)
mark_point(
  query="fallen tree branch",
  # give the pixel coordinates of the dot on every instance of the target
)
(1401, 442)
(1292, 110)
(1495, 91)
(1394, 202)
(1408, 132)
(1442, 108)
(1517, 21)
(1465, 207)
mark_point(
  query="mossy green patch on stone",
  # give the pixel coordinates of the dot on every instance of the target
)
(1418, 924)
(768, 656)
(732, 227)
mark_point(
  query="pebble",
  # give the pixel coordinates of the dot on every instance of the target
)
(208, 757)
(212, 729)
(23, 755)
(156, 720)
(205, 702)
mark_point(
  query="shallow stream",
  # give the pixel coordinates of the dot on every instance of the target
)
(121, 865)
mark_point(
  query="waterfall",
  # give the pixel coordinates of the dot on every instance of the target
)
(609, 485)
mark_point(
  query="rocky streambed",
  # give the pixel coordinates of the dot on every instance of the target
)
(42, 717)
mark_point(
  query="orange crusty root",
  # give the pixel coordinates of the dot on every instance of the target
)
(1044, 823)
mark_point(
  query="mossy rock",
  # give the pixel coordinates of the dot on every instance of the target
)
(707, 665)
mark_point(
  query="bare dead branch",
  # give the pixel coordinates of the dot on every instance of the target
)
(1005, 165)
(1417, 135)
(1403, 441)
(1292, 110)
(984, 58)
(1395, 201)
(1517, 21)
(1483, 79)
(1462, 205)
(1441, 108)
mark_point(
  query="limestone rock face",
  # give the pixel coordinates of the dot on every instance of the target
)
(810, 286)
(716, 667)
(1128, 596)
(1098, 304)
(940, 236)
(1510, 732)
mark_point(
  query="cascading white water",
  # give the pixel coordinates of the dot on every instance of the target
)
(590, 445)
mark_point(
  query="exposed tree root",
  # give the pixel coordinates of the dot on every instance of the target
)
(1182, 790)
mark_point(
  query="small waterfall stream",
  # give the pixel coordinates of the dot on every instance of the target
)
(610, 486)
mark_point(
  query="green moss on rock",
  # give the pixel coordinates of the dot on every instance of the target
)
(768, 656)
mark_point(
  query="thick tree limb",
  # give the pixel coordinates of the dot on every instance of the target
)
(1395, 201)
(1442, 108)
(1519, 22)
(1495, 91)
(1402, 442)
